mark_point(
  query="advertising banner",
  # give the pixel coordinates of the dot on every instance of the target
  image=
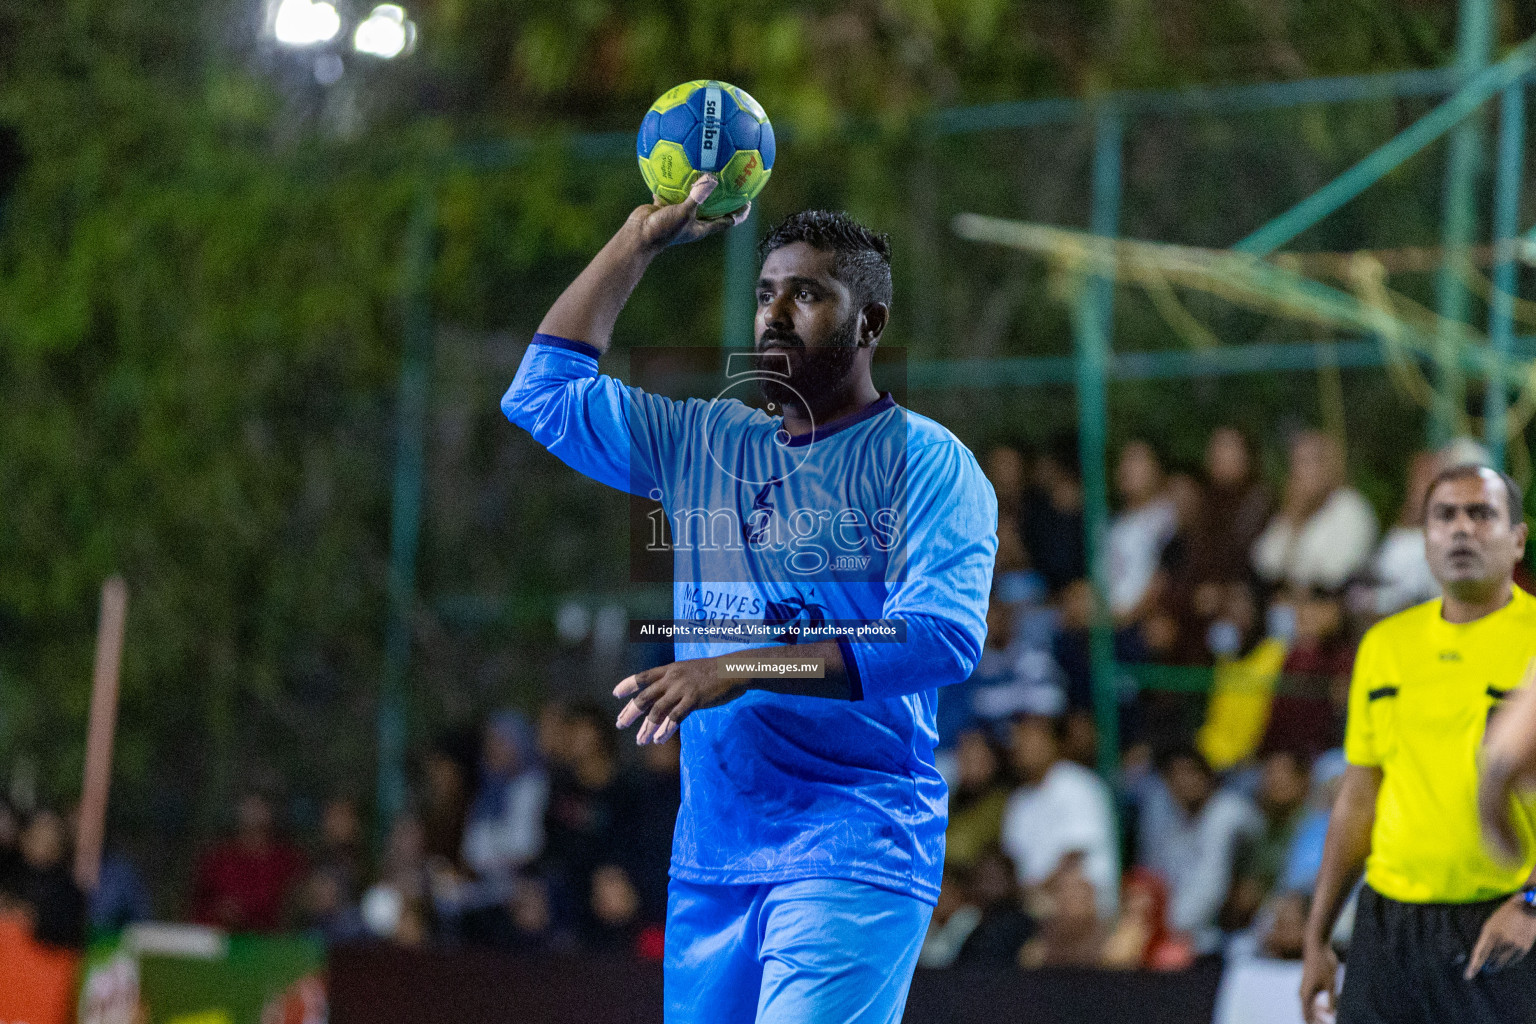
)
(37, 983)
(185, 975)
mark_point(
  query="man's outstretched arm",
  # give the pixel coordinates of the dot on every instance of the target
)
(1509, 754)
(1344, 853)
(617, 435)
(589, 307)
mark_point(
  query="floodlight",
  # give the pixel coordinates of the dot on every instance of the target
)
(385, 33)
(305, 23)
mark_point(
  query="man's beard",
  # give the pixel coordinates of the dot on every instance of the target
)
(821, 372)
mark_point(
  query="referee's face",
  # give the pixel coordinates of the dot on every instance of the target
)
(1468, 535)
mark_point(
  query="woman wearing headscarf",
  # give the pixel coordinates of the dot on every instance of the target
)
(1235, 510)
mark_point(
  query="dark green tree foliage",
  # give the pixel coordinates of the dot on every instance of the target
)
(201, 293)
(197, 346)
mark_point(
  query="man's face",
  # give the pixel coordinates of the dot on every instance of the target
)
(1468, 536)
(1189, 785)
(977, 763)
(254, 815)
(1226, 458)
(808, 315)
(43, 842)
(1137, 474)
(1283, 783)
(339, 824)
(1034, 747)
(500, 751)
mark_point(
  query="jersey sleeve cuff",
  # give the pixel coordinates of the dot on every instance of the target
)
(851, 666)
(554, 341)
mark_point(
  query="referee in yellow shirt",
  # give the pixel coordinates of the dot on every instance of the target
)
(1442, 925)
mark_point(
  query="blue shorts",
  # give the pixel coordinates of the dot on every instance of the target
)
(815, 951)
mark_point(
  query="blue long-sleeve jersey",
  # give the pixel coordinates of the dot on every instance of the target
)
(882, 515)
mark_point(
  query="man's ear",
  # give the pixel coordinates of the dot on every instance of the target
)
(872, 321)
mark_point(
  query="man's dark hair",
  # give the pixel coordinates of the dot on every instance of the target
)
(1474, 471)
(1056, 723)
(1300, 759)
(861, 257)
(1188, 753)
(1062, 449)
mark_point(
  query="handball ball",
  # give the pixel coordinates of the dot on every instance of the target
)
(706, 127)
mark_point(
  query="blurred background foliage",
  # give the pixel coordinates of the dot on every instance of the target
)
(201, 288)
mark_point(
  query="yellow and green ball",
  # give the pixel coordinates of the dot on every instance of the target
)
(706, 127)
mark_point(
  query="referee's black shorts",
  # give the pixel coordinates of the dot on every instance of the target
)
(1406, 965)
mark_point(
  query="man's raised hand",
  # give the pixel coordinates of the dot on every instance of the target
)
(666, 695)
(659, 224)
(1508, 764)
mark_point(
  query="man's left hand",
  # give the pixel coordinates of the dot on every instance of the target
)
(1506, 937)
(666, 695)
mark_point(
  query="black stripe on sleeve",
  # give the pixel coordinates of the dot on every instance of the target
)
(1380, 692)
(553, 341)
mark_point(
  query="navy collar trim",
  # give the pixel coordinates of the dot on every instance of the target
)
(875, 408)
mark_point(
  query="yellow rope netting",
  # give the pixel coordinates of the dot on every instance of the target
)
(1292, 286)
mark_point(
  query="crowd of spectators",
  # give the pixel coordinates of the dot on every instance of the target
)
(1233, 611)
(38, 882)
(525, 836)
(520, 837)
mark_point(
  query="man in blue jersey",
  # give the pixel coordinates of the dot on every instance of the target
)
(810, 843)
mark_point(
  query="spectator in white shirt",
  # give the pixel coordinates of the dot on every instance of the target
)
(505, 827)
(1141, 529)
(1191, 833)
(1399, 575)
(1324, 531)
(1060, 808)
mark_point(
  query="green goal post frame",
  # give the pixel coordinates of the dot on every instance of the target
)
(1465, 88)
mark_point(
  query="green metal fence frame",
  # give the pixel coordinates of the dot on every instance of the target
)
(1468, 85)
